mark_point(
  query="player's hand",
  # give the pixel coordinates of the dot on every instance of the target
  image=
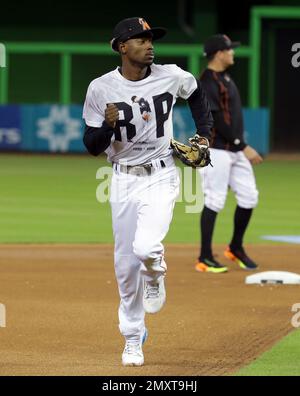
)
(111, 115)
(252, 155)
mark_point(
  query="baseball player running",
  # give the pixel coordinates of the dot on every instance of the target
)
(145, 182)
(231, 158)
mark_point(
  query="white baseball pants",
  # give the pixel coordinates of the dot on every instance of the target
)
(229, 170)
(142, 209)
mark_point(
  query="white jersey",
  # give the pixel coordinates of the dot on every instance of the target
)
(145, 126)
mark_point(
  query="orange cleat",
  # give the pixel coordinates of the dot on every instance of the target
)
(210, 265)
(240, 257)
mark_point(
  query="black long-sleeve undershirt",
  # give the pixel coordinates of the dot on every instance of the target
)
(201, 113)
(96, 140)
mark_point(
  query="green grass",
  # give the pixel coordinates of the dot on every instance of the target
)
(281, 360)
(53, 199)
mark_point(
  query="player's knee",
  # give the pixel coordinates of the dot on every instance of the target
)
(215, 204)
(143, 251)
(248, 201)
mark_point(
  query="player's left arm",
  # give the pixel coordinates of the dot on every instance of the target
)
(196, 155)
(201, 112)
(191, 90)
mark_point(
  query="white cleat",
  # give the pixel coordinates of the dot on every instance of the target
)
(133, 353)
(154, 295)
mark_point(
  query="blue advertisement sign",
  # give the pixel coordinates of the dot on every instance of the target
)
(59, 129)
(10, 128)
(52, 128)
(183, 124)
(256, 124)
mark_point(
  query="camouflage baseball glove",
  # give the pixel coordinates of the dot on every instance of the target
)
(196, 155)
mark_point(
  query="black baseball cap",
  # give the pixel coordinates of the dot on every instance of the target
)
(218, 42)
(134, 27)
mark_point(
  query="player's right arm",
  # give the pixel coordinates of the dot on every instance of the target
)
(252, 155)
(96, 140)
(99, 123)
(111, 115)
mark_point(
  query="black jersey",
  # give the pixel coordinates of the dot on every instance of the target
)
(226, 108)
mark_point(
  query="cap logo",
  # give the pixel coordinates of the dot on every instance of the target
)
(144, 24)
(227, 38)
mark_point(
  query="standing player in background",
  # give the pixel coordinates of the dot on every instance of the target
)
(145, 182)
(231, 158)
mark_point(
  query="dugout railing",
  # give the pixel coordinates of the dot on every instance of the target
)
(192, 52)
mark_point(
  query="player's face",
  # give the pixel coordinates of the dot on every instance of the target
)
(227, 57)
(140, 50)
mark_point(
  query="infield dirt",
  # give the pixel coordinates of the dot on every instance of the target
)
(61, 305)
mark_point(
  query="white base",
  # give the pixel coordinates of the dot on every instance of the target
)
(273, 277)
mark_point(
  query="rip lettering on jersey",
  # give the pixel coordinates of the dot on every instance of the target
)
(296, 57)
(2, 55)
(162, 107)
